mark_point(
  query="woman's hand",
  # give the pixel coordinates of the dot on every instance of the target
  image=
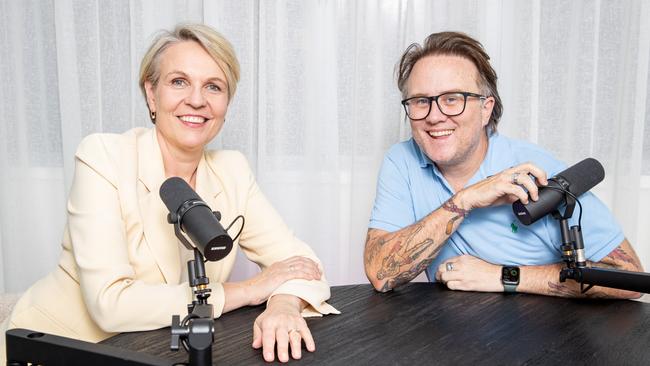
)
(282, 324)
(256, 290)
(261, 286)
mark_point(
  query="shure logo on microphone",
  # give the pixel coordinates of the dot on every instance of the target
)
(521, 213)
(218, 248)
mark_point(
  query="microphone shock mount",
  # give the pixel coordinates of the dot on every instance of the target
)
(574, 257)
(196, 331)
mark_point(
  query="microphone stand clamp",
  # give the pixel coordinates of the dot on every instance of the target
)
(573, 248)
(196, 331)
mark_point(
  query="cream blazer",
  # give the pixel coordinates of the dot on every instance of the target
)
(120, 269)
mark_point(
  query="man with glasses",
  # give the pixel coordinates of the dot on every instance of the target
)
(443, 197)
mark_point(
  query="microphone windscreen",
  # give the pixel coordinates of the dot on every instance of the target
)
(175, 191)
(577, 179)
(583, 176)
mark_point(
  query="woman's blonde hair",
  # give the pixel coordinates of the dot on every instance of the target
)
(212, 41)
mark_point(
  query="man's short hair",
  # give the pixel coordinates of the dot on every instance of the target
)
(454, 44)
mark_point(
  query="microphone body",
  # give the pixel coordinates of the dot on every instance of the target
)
(576, 179)
(196, 219)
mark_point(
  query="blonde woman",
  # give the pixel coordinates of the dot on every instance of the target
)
(122, 268)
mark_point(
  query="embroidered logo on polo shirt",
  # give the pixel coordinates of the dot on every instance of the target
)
(514, 227)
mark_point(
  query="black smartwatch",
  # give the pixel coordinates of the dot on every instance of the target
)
(510, 278)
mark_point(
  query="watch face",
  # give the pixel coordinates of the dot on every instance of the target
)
(510, 275)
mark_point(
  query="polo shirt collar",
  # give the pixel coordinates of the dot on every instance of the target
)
(423, 159)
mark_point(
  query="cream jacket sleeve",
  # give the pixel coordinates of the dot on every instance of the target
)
(266, 239)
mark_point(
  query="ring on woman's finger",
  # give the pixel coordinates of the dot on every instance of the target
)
(293, 330)
(514, 177)
(449, 266)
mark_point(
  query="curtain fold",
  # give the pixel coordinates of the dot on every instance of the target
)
(317, 105)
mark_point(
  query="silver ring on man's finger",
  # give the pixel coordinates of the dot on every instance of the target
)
(514, 177)
(449, 266)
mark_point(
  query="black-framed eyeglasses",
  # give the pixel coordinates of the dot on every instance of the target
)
(450, 104)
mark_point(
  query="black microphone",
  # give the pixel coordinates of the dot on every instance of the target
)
(196, 219)
(576, 179)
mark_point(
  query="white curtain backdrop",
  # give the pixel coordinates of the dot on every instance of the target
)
(317, 106)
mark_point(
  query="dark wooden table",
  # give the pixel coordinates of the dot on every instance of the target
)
(425, 324)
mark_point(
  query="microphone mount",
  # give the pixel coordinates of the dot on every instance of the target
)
(176, 219)
(196, 331)
(573, 255)
(196, 228)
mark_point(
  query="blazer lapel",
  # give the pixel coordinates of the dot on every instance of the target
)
(159, 234)
(208, 185)
(210, 188)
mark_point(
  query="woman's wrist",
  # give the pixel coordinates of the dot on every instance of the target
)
(289, 300)
(249, 290)
(239, 294)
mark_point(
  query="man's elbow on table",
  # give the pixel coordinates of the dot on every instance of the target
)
(379, 285)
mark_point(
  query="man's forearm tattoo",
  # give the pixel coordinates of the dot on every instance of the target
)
(617, 256)
(559, 289)
(406, 276)
(562, 290)
(450, 206)
(373, 248)
(404, 252)
(399, 253)
(615, 260)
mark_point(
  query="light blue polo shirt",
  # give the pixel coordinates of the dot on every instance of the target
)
(410, 187)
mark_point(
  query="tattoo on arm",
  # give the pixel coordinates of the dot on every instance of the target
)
(403, 252)
(406, 258)
(562, 290)
(399, 254)
(373, 247)
(450, 206)
(397, 258)
(406, 276)
(618, 257)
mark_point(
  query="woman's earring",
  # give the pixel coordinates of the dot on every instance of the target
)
(152, 114)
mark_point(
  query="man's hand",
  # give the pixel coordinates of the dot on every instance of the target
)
(508, 186)
(468, 273)
(282, 324)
